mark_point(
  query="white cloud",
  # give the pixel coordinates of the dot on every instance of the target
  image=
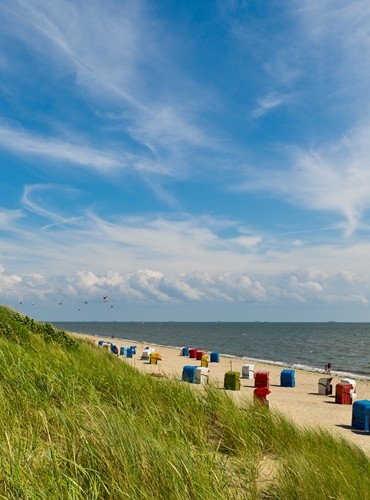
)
(247, 241)
(9, 218)
(169, 128)
(332, 178)
(25, 143)
(268, 103)
(40, 210)
(8, 281)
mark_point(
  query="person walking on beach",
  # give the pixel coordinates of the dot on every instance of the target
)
(328, 368)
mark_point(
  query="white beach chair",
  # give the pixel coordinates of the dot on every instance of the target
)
(201, 375)
(325, 387)
(248, 371)
(146, 353)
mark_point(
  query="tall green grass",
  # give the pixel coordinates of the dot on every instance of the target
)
(78, 423)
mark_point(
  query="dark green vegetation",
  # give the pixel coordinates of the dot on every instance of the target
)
(78, 423)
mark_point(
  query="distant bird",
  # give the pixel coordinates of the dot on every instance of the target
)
(85, 302)
(60, 303)
(21, 302)
(111, 307)
(105, 298)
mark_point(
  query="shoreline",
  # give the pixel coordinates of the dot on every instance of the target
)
(302, 404)
(303, 345)
(283, 364)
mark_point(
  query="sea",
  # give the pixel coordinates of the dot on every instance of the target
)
(308, 346)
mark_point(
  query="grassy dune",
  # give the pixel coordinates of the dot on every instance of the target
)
(78, 423)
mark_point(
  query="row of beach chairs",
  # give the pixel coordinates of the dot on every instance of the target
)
(345, 390)
(148, 353)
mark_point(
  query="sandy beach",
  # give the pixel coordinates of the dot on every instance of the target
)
(301, 403)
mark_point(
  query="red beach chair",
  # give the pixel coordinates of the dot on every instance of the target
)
(260, 394)
(262, 379)
(343, 394)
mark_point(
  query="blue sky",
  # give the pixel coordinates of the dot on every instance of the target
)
(196, 161)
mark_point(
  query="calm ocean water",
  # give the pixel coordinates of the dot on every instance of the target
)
(306, 345)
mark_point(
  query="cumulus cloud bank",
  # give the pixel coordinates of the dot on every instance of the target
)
(150, 286)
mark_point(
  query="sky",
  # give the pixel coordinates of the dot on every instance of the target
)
(185, 161)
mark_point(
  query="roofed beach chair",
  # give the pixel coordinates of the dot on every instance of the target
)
(325, 387)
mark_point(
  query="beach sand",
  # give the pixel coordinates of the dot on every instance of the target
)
(302, 403)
